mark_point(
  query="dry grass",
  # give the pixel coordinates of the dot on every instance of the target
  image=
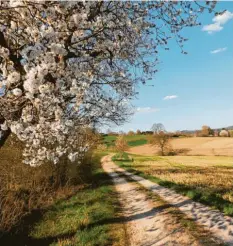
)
(207, 179)
(24, 189)
(85, 214)
(212, 172)
(193, 146)
(176, 219)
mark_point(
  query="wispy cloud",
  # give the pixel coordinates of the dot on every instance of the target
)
(212, 28)
(170, 97)
(218, 50)
(219, 21)
(146, 110)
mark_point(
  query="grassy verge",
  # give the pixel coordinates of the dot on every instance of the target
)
(207, 195)
(88, 218)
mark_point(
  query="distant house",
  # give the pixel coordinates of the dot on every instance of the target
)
(216, 133)
(224, 133)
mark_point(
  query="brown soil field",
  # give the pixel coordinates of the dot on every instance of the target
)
(210, 146)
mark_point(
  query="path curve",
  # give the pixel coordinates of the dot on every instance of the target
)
(219, 225)
(147, 224)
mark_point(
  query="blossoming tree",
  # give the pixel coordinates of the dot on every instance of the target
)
(69, 64)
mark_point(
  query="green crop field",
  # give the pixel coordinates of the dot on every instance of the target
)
(134, 140)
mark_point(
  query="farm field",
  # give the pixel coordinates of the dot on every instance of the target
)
(115, 125)
(207, 179)
(134, 140)
(193, 146)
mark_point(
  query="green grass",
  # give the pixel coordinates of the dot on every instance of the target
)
(109, 140)
(134, 140)
(209, 194)
(87, 219)
(121, 157)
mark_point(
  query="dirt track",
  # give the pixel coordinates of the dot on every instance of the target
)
(192, 146)
(146, 223)
(149, 223)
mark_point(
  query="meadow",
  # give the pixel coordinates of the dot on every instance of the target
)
(132, 140)
(211, 146)
(207, 179)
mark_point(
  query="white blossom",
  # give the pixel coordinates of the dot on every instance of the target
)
(72, 156)
(66, 66)
(13, 77)
(4, 126)
(4, 52)
(17, 92)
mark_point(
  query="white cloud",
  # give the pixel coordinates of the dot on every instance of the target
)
(146, 110)
(170, 97)
(218, 50)
(224, 18)
(219, 21)
(212, 28)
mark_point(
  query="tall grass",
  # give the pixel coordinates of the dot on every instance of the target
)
(79, 213)
(25, 189)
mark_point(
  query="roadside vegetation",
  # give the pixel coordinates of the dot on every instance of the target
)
(122, 157)
(36, 210)
(25, 189)
(204, 179)
(87, 218)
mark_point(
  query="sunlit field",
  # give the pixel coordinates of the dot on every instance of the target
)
(207, 179)
(134, 140)
(210, 146)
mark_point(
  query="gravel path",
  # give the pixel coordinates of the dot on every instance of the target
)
(147, 223)
(219, 225)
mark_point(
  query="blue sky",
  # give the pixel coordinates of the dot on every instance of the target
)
(200, 83)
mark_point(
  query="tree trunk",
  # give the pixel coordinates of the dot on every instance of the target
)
(162, 150)
(4, 137)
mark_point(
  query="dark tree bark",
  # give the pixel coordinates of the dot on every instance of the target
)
(4, 137)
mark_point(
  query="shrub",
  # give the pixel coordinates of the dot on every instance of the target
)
(161, 140)
(25, 188)
(121, 144)
(131, 133)
(224, 133)
(231, 133)
(206, 131)
(102, 147)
